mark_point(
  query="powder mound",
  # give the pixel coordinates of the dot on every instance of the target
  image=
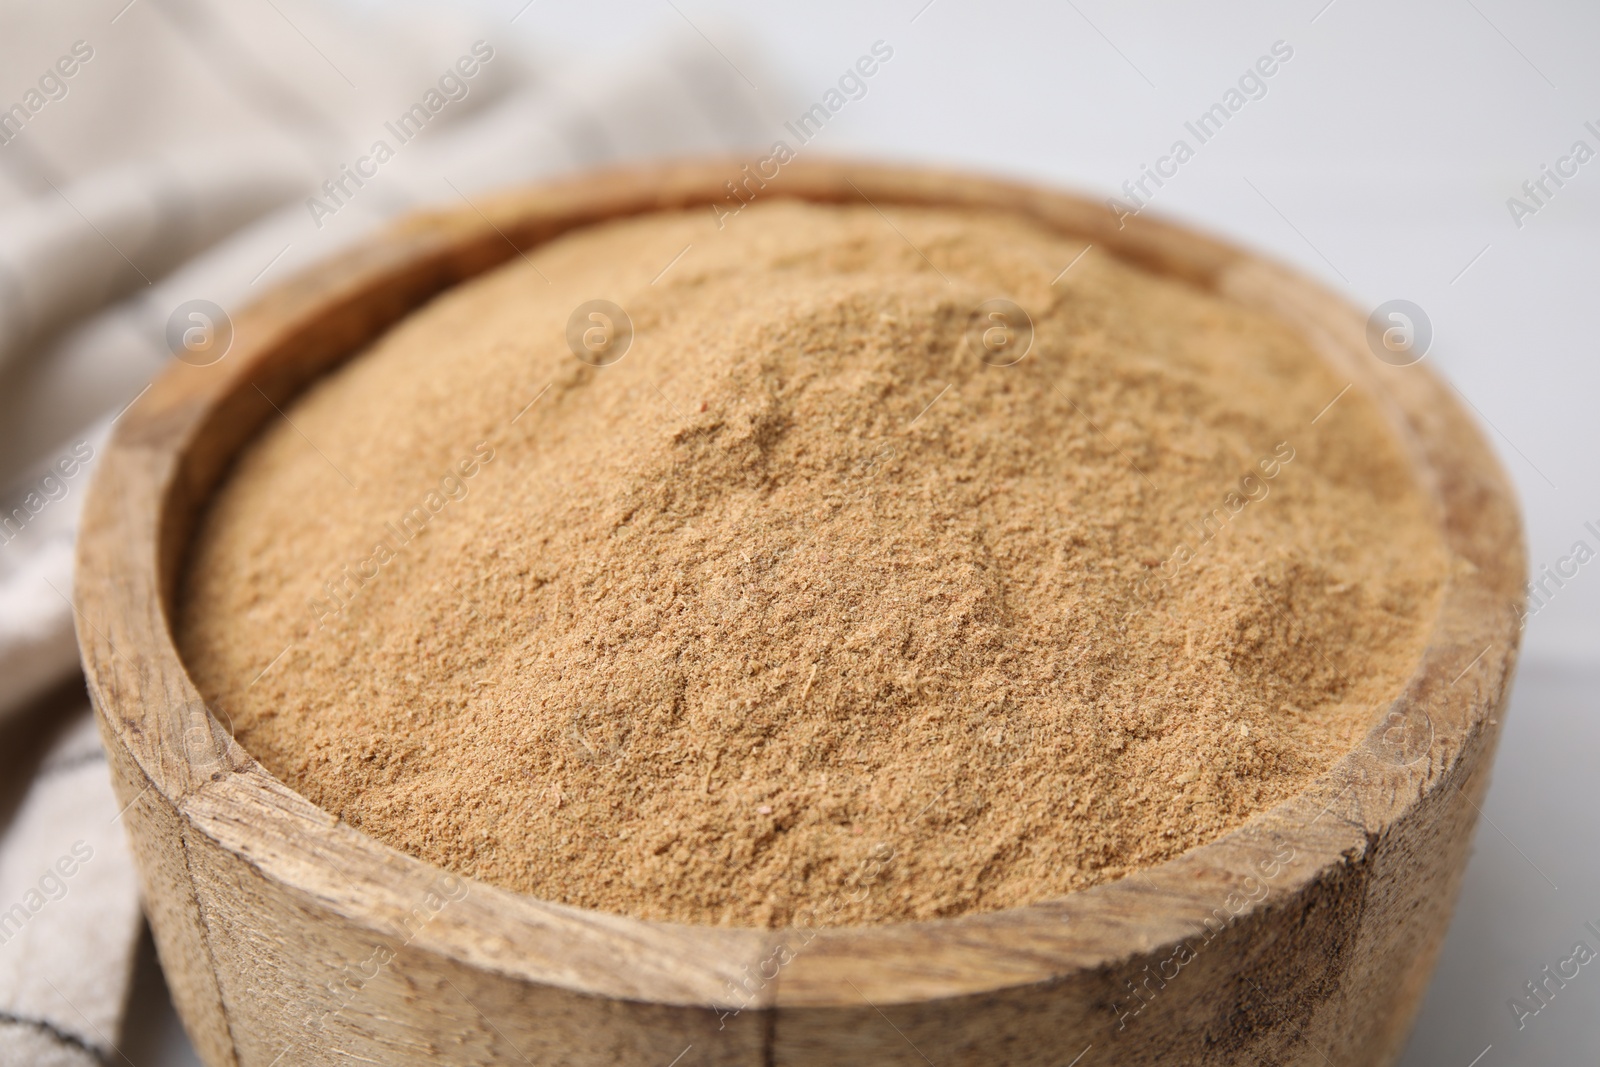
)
(802, 611)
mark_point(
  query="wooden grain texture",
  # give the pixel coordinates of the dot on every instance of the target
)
(1306, 936)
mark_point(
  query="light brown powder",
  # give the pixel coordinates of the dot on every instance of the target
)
(802, 612)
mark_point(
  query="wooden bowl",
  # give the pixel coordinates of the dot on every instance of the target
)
(1305, 936)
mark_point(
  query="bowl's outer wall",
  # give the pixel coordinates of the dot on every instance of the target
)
(289, 938)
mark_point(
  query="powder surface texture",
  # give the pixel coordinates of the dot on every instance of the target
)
(804, 610)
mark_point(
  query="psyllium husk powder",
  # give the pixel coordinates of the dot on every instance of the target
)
(816, 599)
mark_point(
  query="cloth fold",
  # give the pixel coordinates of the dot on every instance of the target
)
(69, 912)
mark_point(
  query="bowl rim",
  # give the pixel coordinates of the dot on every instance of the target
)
(177, 441)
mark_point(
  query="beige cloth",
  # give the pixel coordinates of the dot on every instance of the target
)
(177, 165)
(69, 916)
